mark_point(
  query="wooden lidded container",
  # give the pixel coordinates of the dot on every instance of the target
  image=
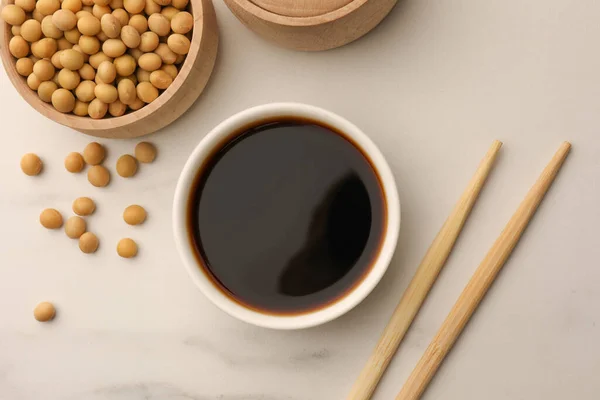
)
(311, 25)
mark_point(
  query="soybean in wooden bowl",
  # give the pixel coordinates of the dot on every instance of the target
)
(193, 74)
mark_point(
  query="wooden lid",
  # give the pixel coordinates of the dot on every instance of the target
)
(301, 8)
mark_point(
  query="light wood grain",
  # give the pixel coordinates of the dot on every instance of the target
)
(421, 284)
(301, 8)
(170, 105)
(480, 282)
(312, 33)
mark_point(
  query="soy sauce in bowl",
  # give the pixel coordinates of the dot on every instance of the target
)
(287, 217)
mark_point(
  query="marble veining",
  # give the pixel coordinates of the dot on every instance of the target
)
(161, 391)
(305, 358)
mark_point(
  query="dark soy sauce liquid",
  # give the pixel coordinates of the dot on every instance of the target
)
(287, 217)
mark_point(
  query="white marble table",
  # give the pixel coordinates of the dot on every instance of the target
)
(433, 86)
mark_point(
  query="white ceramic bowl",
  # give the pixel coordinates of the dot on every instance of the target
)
(249, 118)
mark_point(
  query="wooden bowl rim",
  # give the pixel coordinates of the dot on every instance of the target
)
(88, 123)
(269, 16)
(303, 8)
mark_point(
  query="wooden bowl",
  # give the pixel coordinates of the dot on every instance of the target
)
(311, 25)
(174, 101)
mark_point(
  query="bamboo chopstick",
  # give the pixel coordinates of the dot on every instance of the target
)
(419, 287)
(480, 282)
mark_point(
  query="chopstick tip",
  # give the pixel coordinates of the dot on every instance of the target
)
(495, 147)
(564, 149)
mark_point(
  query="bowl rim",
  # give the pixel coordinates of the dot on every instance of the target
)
(325, 313)
(254, 9)
(87, 123)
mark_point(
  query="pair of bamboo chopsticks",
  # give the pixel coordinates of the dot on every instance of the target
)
(429, 269)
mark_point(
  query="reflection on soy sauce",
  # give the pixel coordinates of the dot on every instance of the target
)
(337, 236)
